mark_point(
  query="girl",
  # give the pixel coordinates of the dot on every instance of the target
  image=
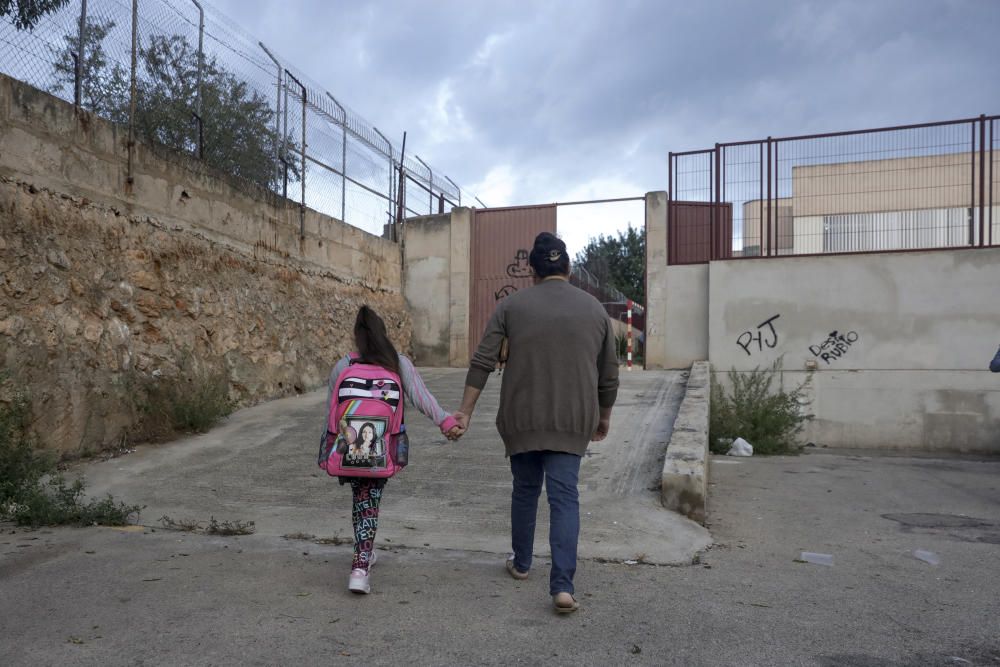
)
(374, 347)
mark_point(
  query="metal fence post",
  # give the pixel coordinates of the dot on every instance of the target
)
(391, 165)
(972, 184)
(81, 55)
(302, 176)
(277, 115)
(343, 157)
(716, 218)
(670, 194)
(200, 139)
(284, 141)
(769, 142)
(982, 178)
(132, 92)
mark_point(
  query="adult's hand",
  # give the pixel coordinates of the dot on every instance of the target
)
(603, 426)
(463, 420)
(455, 433)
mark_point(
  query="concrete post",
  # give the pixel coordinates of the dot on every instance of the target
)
(656, 279)
(460, 266)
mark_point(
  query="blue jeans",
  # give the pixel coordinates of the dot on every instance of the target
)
(561, 473)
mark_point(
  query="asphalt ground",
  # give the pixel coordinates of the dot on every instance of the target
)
(150, 596)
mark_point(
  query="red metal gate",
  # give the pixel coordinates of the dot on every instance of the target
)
(501, 240)
(690, 238)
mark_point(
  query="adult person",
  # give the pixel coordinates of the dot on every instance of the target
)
(559, 385)
(995, 364)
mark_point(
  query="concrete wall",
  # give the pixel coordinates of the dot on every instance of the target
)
(106, 284)
(436, 286)
(677, 298)
(907, 367)
(656, 280)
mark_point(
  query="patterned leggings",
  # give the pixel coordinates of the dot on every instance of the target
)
(367, 494)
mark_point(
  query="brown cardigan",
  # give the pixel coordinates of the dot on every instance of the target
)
(562, 365)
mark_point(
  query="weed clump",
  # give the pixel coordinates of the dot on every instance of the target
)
(33, 492)
(188, 403)
(213, 527)
(769, 418)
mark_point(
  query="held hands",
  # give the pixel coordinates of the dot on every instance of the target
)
(457, 432)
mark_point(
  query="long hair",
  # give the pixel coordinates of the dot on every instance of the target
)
(373, 342)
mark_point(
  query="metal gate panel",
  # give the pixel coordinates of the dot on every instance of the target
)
(689, 232)
(501, 240)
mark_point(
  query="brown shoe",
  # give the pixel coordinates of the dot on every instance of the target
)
(514, 572)
(564, 603)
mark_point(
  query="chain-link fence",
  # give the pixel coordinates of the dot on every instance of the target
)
(180, 73)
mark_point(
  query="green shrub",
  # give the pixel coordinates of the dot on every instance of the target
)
(191, 403)
(33, 492)
(21, 468)
(766, 417)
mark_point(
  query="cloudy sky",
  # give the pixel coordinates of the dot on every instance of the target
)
(538, 101)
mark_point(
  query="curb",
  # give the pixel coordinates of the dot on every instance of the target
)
(684, 483)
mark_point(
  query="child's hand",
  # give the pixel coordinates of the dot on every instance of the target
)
(455, 433)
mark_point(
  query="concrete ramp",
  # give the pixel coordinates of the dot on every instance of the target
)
(260, 466)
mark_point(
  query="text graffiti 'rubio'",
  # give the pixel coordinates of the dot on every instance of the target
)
(766, 335)
(835, 346)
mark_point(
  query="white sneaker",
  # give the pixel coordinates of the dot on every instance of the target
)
(359, 582)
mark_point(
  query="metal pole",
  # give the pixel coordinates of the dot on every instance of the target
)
(392, 165)
(343, 157)
(481, 202)
(401, 199)
(284, 144)
(768, 202)
(991, 180)
(629, 334)
(430, 204)
(132, 92)
(670, 196)
(726, 246)
(201, 65)
(81, 54)
(716, 218)
(277, 115)
(302, 176)
(982, 179)
(972, 185)
(760, 200)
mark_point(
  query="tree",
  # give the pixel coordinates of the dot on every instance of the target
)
(619, 262)
(238, 123)
(104, 86)
(27, 13)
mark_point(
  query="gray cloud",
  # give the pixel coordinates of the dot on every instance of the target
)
(567, 93)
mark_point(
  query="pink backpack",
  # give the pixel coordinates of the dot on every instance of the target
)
(364, 419)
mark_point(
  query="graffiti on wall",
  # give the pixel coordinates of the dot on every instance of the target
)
(835, 346)
(504, 292)
(519, 268)
(765, 336)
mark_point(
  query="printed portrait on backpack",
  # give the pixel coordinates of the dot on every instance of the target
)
(368, 448)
